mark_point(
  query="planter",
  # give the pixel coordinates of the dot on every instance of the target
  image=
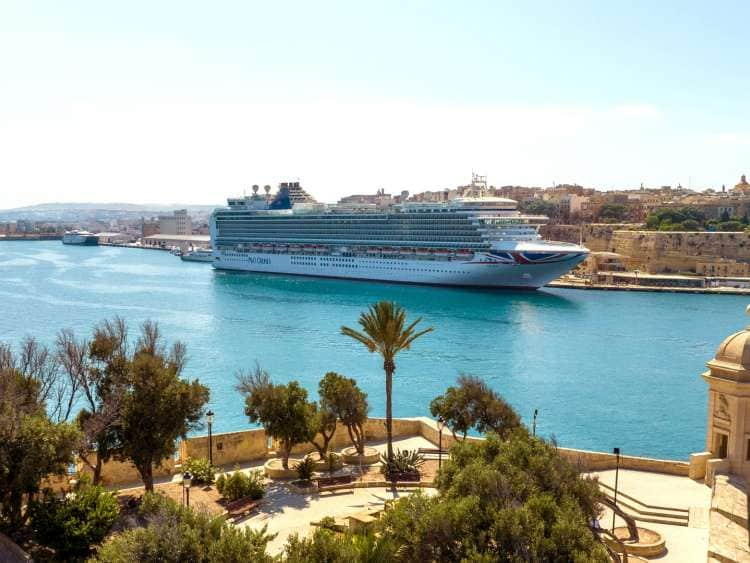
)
(404, 477)
(302, 487)
(274, 470)
(650, 543)
(321, 465)
(351, 457)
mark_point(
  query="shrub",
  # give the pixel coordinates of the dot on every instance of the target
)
(404, 461)
(305, 468)
(174, 533)
(72, 525)
(220, 483)
(201, 469)
(332, 462)
(240, 485)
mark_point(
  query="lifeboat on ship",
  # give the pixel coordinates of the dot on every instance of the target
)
(281, 247)
(373, 250)
(295, 248)
(390, 251)
(406, 251)
(255, 246)
(309, 248)
(321, 249)
(423, 252)
(442, 252)
(267, 247)
(464, 253)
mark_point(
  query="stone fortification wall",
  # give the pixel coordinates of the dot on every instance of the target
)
(656, 251)
(595, 236)
(661, 252)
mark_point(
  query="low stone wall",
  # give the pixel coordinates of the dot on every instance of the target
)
(728, 521)
(228, 447)
(251, 445)
(599, 461)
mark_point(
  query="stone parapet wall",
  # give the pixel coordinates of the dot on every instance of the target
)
(728, 521)
(228, 447)
(252, 445)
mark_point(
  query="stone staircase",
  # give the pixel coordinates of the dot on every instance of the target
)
(643, 512)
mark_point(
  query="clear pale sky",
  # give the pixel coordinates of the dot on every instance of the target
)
(195, 101)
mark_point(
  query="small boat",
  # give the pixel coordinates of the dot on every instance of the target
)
(390, 251)
(295, 248)
(281, 247)
(406, 251)
(423, 252)
(464, 253)
(373, 250)
(198, 255)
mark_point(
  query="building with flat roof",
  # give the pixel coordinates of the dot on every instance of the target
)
(179, 223)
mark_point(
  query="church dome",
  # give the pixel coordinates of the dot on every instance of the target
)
(732, 359)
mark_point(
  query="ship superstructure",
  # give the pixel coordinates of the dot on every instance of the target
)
(474, 240)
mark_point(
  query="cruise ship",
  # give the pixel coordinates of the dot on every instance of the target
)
(477, 240)
(80, 237)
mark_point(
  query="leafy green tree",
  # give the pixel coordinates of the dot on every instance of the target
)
(32, 446)
(731, 226)
(385, 331)
(502, 500)
(159, 406)
(613, 212)
(74, 524)
(537, 207)
(172, 533)
(283, 410)
(341, 396)
(473, 404)
(98, 369)
(724, 217)
(325, 427)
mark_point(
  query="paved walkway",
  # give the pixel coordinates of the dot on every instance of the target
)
(684, 544)
(287, 513)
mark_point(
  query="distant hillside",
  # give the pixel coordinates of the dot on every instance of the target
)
(72, 211)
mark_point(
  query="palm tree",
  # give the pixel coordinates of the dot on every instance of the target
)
(383, 332)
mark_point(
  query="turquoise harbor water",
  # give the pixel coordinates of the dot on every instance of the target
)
(604, 369)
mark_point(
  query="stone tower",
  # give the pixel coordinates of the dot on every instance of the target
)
(728, 428)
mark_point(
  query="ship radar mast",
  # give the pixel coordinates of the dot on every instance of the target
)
(478, 185)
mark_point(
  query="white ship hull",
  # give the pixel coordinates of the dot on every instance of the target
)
(484, 270)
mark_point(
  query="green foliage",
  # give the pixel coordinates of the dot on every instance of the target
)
(31, 445)
(509, 500)
(731, 226)
(404, 461)
(473, 404)
(172, 533)
(240, 485)
(305, 468)
(283, 410)
(201, 469)
(328, 523)
(72, 525)
(613, 212)
(160, 406)
(385, 331)
(341, 396)
(678, 219)
(221, 482)
(326, 546)
(537, 207)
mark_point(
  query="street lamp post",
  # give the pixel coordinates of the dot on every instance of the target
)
(533, 423)
(210, 420)
(616, 451)
(187, 480)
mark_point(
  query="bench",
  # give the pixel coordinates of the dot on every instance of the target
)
(432, 451)
(334, 483)
(238, 508)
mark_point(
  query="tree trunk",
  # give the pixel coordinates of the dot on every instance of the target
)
(285, 449)
(389, 369)
(97, 470)
(147, 474)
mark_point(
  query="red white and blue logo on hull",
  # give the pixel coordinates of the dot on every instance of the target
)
(528, 257)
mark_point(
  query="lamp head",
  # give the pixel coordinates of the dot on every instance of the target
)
(210, 417)
(187, 479)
